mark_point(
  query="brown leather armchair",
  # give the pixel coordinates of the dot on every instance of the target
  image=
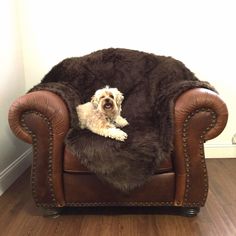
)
(41, 118)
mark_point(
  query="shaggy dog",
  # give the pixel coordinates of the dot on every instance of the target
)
(102, 114)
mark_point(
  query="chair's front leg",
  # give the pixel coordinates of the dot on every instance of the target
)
(51, 212)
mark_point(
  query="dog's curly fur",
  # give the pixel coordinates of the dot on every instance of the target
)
(102, 114)
(150, 85)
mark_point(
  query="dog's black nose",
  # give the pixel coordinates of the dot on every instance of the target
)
(107, 100)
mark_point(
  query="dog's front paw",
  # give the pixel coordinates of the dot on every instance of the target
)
(122, 136)
(118, 134)
(124, 122)
(121, 122)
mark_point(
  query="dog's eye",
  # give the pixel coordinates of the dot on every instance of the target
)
(102, 97)
(111, 96)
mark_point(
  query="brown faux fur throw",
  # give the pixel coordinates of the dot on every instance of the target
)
(150, 85)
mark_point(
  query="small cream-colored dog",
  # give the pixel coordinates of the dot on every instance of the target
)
(102, 114)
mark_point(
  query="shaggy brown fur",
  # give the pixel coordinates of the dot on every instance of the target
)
(150, 85)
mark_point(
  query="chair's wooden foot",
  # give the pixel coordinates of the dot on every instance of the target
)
(190, 211)
(51, 212)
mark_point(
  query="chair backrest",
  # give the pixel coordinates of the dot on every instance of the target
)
(148, 82)
(130, 71)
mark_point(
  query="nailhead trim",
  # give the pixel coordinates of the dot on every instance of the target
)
(94, 204)
(35, 158)
(187, 157)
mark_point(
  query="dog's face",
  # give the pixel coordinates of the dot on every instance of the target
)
(108, 100)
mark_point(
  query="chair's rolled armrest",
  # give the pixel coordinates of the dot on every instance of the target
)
(42, 102)
(42, 118)
(202, 100)
(200, 115)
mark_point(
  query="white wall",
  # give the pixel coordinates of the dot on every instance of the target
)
(12, 151)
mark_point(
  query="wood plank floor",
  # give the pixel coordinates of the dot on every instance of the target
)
(19, 216)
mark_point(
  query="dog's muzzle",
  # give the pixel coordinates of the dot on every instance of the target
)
(108, 104)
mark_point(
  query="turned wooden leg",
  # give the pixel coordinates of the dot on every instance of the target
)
(51, 212)
(190, 211)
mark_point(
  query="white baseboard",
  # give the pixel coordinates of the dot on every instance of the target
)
(14, 170)
(220, 150)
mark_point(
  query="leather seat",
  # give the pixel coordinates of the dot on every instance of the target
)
(93, 192)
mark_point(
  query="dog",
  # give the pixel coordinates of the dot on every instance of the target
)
(102, 115)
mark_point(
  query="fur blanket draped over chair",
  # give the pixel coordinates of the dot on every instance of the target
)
(150, 85)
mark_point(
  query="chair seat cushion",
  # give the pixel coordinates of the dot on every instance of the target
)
(72, 164)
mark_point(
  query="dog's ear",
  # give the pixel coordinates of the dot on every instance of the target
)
(94, 101)
(119, 98)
